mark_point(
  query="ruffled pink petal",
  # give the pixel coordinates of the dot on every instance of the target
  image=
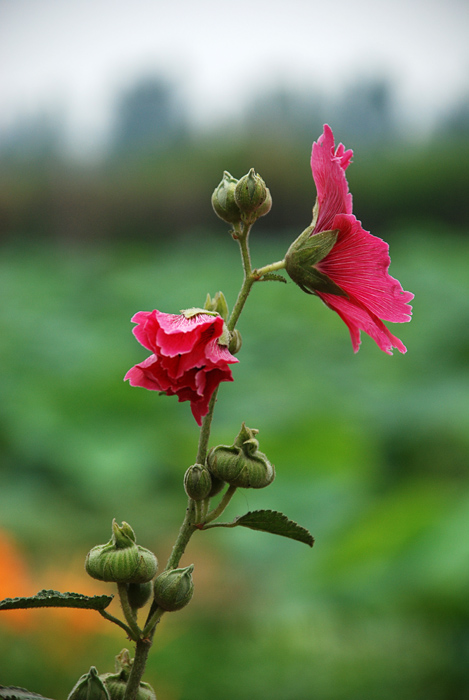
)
(179, 335)
(207, 382)
(359, 264)
(218, 355)
(328, 165)
(149, 375)
(146, 329)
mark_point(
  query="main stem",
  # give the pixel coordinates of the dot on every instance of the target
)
(188, 528)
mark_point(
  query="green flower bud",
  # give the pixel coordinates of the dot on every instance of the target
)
(197, 482)
(302, 257)
(174, 588)
(116, 685)
(218, 305)
(223, 200)
(217, 485)
(242, 464)
(121, 560)
(89, 686)
(139, 594)
(235, 342)
(250, 194)
(266, 206)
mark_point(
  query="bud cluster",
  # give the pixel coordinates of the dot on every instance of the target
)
(109, 686)
(242, 464)
(244, 200)
(121, 560)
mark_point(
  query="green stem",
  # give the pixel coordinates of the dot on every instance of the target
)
(116, 621)
(129, 613)
(260, 271)
(149, 629)
(204, 436)
(249, 279)
(209, 527)
(185, 533)
(227, 496)
(138, 669)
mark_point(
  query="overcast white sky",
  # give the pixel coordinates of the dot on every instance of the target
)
(75, 54)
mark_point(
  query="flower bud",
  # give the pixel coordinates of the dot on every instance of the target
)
(250, 194)
(116, 684)
(223, 200)
(235, 342)
(89, 686)
(174, 588)
(139, 594)
(121, 560)
(217, 485)
(197, 482)
(242, 464)
(266, 206)
(218, 305)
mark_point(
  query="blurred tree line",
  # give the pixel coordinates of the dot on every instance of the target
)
(157, 170)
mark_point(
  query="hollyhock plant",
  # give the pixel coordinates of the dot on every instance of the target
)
(340, 262)
(190, 357)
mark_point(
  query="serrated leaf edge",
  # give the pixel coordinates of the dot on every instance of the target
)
(43, 599)
(307, 536)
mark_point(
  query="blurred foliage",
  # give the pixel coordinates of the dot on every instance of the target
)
(371, 451)
(146, 197)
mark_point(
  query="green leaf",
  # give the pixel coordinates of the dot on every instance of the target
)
(54, 599)
(13, 693)
(276, 523)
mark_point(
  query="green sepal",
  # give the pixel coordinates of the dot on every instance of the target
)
(302, 257)
(14, 693)
(54, 599)
(276, 523)
(195, 311)
(89, 687)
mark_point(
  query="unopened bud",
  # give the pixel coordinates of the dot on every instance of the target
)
(139, 594)
(116, 685)
(235, 342)
(223, 200)
(250, 194)
(174, 588)
(121, 560)
(89, 687)
(266, 206)
(242, 464)
(218, 305)
(197, 482)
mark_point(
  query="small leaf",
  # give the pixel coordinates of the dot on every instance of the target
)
(272, 277)
(276, 523)
(54, 599)
(13, 693)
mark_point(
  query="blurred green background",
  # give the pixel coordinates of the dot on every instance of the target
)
(371, 451)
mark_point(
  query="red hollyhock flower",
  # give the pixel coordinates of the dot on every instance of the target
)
(340, 262)
(188, 357)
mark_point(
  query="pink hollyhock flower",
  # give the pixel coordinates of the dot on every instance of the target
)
(190, 357)
(340, 262)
